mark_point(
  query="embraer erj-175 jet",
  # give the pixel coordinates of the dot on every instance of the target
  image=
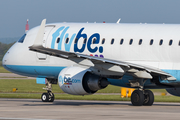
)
(86, 57)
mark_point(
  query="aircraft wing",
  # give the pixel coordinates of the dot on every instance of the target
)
(110, 65)
(94, 61)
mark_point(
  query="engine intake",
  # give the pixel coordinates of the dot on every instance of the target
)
(93, 83)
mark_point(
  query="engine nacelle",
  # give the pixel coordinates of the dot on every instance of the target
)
(173, 91)
(80, 81)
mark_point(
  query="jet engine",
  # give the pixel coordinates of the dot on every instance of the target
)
(80, 81)
(173, 91)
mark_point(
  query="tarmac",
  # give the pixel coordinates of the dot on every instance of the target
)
(34, 109)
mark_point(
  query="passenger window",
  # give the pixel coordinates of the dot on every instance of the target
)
(21, 40)
(75, 42)
(131, 41)
(112, 41)
(94, 40)
(151, 42)
(170, 42)
(140, 41)
(58, 39)
(67, 40)
(161, 42)
(84, 42)
(103, 41)
(121, 42)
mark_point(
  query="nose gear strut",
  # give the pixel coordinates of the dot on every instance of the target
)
(49, 96)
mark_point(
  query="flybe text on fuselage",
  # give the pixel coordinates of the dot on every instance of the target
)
(62, 34)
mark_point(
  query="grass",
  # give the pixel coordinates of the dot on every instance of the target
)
(24, 86)
(27, 88)
(12, 77)
(30, 86)
(3, 70)
(33, 87)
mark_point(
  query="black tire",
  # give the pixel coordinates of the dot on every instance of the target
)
(148, 98)
(137, 98)
(51, 99)
(45, 97)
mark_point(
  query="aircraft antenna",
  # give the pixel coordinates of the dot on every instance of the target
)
(118, 20)
(27, 26)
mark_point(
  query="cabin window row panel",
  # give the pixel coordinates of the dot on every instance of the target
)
(170, 42)
(131, 41)
(140, 41)
(103, 41)
(112, 41)
(58, 40)
(84, 41)
(67, 40)
(151, 41)
(121, 41)
(94, 40)
(161, 42)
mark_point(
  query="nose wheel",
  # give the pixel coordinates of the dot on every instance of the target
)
(139, 98)
(47, 97)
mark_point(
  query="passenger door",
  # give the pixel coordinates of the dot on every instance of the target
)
(48, 29)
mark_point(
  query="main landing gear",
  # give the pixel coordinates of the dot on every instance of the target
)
(142, 97)
(49, 96)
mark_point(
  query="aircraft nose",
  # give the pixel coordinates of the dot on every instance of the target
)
(5, 59)
(9, 57)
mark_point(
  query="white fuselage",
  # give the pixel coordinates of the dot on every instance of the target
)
(163, 56)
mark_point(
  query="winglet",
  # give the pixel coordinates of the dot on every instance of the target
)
(39, 38)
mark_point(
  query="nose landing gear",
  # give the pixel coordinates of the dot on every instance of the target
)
(49, 96)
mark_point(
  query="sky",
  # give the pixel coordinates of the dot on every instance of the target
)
(14, 13)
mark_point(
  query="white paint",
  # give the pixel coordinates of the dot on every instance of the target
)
(156, 56)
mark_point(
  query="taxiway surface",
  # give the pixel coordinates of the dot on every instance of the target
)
(25, 109)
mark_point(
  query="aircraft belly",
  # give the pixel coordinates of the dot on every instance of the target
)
(35, 71)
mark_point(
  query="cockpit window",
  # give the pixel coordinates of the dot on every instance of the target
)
(21, 40)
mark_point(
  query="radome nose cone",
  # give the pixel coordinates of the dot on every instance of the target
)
(4, 60)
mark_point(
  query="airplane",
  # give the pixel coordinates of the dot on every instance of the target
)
(86, 57)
